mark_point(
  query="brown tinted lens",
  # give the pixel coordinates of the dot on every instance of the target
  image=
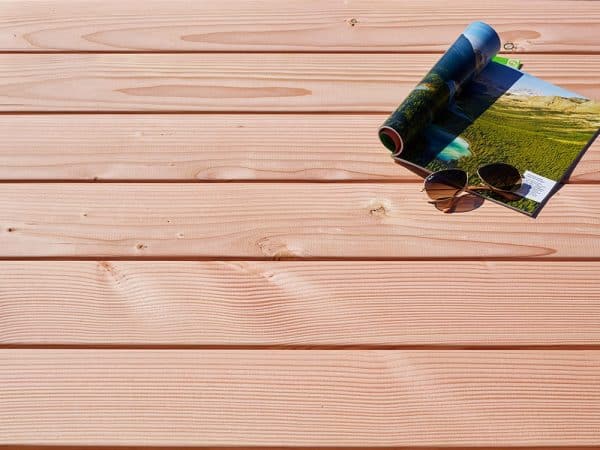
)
(445, 183)
(503, 177)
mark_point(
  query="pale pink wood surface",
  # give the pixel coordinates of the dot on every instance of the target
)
(306, 303)
(208, 147)
(284, 220)
(308, 398)
(296, 25)
(233, 82)
(147, 310)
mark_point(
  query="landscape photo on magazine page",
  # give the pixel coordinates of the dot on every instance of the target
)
(506, 115)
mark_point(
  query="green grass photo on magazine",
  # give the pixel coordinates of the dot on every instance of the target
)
(510, 116)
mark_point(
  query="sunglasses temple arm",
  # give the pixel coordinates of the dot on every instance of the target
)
(453, 201)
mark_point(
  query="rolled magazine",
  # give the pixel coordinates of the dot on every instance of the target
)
(471, 52)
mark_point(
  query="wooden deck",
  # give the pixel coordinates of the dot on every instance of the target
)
(203, 243)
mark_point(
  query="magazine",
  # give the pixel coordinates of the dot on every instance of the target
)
(474, 108)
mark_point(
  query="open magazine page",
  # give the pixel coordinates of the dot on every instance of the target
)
(505, 115)
(500, 114)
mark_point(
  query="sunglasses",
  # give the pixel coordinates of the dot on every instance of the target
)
(444, 186)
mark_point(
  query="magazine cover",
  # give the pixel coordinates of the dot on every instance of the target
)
(471, 110)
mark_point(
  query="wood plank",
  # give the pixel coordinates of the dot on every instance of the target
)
(232, 25)
(281, 220)
(300, 398)
(309, 303)
(239, 82)
(207, 147)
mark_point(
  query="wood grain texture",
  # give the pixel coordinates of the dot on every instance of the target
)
(239, 82)
(208, 147)
(238, 378)
(230, 25)
(280, 220)
(312, 303)
(300, 398)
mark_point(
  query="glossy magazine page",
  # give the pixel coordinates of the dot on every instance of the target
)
(471, 110)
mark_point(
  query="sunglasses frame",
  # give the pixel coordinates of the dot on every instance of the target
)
(507, 194)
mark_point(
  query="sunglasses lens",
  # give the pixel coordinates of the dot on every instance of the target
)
(503, 177)
(445, 183)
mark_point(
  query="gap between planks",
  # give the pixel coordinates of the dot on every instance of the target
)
(286, 447)
(292, 348)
